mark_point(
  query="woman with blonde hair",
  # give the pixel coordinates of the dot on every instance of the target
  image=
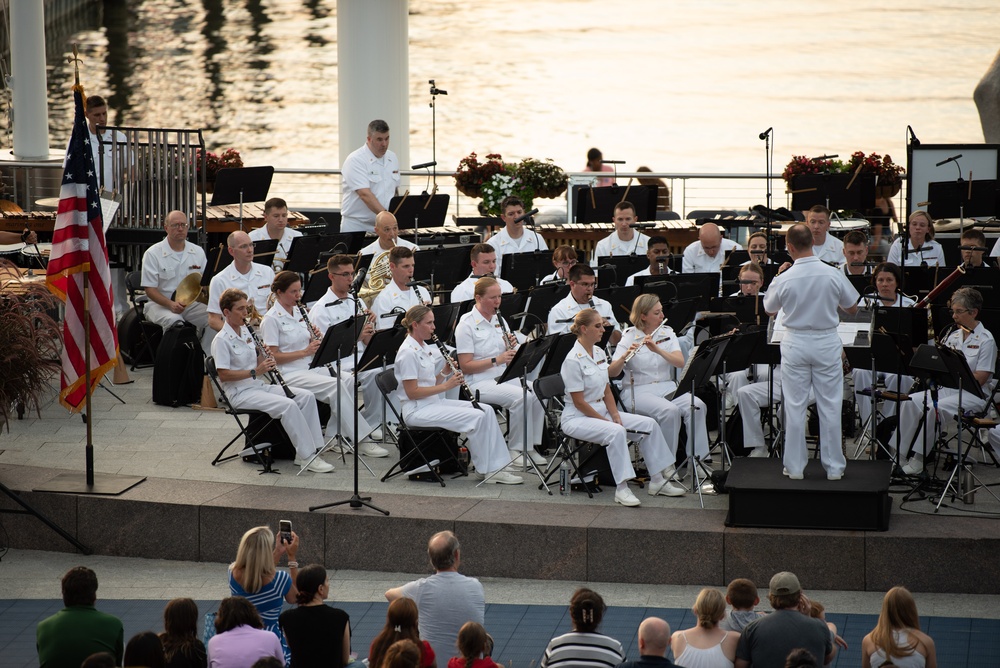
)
(706, 645)
(254, 576)
(897, 638)
(400, 624)
(921, 248)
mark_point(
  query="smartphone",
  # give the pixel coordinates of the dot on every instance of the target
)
(285, 531)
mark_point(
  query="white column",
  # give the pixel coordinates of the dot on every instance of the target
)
(27, 46)
(373, 73)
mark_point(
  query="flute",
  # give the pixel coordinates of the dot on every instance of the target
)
(454, 368)
(275, 374)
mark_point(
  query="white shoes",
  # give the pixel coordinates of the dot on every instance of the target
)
(913, 467)
(759, 452)
(376, 434)
(791, 476)
(665, 488)
(319, 465)
(669, 472)
(369, 449)
(626, 498)
(533, 455)
(501, 478)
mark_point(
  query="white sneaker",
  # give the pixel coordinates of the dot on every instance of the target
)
(503, 478)
(791, 476)
(665, 488)
(376, 434)
(627, 498)
(913, 467)
(759, 452)
(371, 450)
(319, 465)
(533, 455)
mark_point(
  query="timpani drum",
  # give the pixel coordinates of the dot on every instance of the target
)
(35, 255)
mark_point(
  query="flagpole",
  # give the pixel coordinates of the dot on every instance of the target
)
(86, 365)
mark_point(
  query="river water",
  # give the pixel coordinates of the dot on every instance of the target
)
(679, 85)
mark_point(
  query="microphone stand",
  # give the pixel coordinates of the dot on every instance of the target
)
(768, 168)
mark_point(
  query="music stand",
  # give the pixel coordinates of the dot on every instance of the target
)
(446, 266)
(736, 356)
(961, 199)
(541, 300)
(597, 205)
(310, 251)
(525, 270)
(218, 259)
(413, 210)
(446, 319)
(264, 251)
(557, 352)
(838, 192)
(622, 266)
(619, 298)
(317, 283)
(747, 310)
(243, 184)
(703, 286)
(512, 303)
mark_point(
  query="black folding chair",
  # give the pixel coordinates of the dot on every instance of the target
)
(144, 335)
(257, 422)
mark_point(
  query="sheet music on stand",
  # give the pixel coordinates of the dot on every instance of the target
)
(855, 330)
(110, 202)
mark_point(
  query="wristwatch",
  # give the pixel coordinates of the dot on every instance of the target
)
(253, 374)
(494, 360)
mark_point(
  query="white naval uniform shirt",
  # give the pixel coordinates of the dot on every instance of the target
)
(582, 373)
(484, 339)
(466, 290)
(392, 296)
(932, 254)
(236, 351)
(360, 170)
(809, 293)
(611, 245)
(163, 268)
(901, 300)
(374, 249)
(286, 333)
(568, 308)
(504, 245)
(421, 362)
(646, 367)
(979, 348)
(284, 243)
(326, 313)
(697, 261)
(256, 283)
(630, 281)
(832, 250)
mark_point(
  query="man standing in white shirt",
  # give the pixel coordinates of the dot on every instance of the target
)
(253, 279)
(512, 238)
(708, 253)
(826, 247)
(276, 227)
(624, 240)
(397, 295)
(369, 180)
(582, 282)
(484, 263)
(97, 116)
(658, 254)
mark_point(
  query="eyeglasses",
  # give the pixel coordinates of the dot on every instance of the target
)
(958, 311)
(343, 273)
(178, 225)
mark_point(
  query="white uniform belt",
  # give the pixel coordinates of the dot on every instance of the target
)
(815, 332)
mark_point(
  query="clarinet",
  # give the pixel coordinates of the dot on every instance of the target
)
(508, 344)
(313, 336)
(454, 368)
(275, 374)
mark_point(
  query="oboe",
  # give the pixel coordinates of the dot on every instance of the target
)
(313, 336)
(454, 368)
(275, 374)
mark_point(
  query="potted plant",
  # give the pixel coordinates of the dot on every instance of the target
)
(800, 165)
(228, 159)
(472, 174)
(500, 186)
(890, 175)
(546, 178)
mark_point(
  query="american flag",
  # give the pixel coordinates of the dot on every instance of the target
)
(78, 250)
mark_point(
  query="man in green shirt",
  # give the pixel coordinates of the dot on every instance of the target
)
(68, 637)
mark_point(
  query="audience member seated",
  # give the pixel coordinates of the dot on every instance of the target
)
(99, 660)
(768, 640)
(742, 596)
(143, 650)
(317, 634)
(817, 611)
(71, 635)
(447, 599)
(181, 647)
(897, 637)
(475, 648)
(802, 658)
(254, 576)
(401, 654)
(654, 639)
(267, 662)
(706, 645)
(240, 638)
(401, 623)
(584, 647)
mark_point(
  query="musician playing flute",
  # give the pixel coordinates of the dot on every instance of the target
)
(241, 367)
(293, 344)
(485, 346)
(592, 415)
(424, 377)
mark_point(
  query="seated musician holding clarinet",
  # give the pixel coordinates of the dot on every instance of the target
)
(241, 360)
(483, 258)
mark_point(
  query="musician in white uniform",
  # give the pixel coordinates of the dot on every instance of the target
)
(276, 227)
(887, 278)
(921, 248)
(624, 240)
(484, 263)
(592, 415)
(709, 252)
(239, 365)
(293, 345)
(164, 265)
(750, 278)
(513, 238)
(582, 282)
(424, 377)
(809, 293)
(387, 231)
(563, 259)
(976, 342)
(973, 247)
(826, 247)
(335, 306)
(370, 179)
(485, 346)
(855, 254)
(397, 296)
(648, 380)
(244, 275)
(658, 254)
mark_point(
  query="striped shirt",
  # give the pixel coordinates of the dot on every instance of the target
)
(582, 650)
(268, 601)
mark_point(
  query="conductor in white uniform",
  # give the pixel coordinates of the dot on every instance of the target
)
(370, 178)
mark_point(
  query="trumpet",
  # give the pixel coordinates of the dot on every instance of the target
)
(454, 368)
(275, 374)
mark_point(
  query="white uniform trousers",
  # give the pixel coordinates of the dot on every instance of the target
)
(863, 379)
(614, 437)
(811, 359)
(324, 387)
(298, 416)
(910, 422)
(196, 314)
(649, 400)
(486, 444)
(510, 396)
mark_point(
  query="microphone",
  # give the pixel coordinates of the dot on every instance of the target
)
(525, 216)
(869, 290)
(951, 159)
(565, 320)
(765, 133)
(359, 279)
(913, 136)
(827, 157)
(433, 163)
(613, 162)
(526, 314)
(642, 226)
